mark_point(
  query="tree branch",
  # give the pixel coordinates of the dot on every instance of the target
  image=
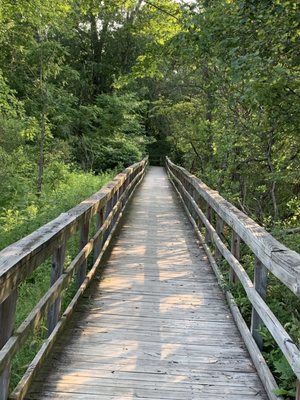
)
(162, 10)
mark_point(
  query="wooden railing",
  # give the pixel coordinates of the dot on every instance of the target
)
(209, 213)
(19, 260)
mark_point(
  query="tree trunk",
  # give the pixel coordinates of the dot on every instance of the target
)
(208, 111)
(44, 102)
(272, 186)
(97, 43)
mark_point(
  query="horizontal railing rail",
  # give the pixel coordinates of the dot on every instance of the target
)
(209, 211)
(20, 259)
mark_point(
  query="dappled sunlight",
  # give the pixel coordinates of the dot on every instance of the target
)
(179, 259)
(155, 324)
(168, 350)
(182, 299)
(134, 250)
(120, 282)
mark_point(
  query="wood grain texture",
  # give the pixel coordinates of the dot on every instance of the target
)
(155, 324)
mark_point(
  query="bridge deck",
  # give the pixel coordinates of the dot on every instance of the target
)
(156, 326)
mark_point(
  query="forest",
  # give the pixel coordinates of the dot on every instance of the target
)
(88, 87)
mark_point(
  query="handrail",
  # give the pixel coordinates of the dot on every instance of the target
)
(21, 258)
(269, 255)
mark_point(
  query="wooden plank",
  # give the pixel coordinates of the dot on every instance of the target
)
(134, 378)
(157, 322)
(155, 338)
(87, 396)
(192, 315)
(169, 392)
(206, 304)
(117, 364)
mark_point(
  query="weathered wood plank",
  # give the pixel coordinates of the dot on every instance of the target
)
(88, 396)
(169, 392)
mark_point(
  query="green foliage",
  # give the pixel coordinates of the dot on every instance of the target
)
(112, 132)
(88, 86)
(62, 191)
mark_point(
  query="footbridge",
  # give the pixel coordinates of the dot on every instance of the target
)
(145, 308)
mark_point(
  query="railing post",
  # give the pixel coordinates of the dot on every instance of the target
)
(99, 222)
(7, 321)
(84, 237)
(194, 195)
(260, 285)
(126, 186)
(115, 201)
(188, 188)
(108, 209)
(209, 216)
(56, 271)
(236, 252)
(198, 220)
(219, 230)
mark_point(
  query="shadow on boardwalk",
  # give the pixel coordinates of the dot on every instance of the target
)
(155, 325)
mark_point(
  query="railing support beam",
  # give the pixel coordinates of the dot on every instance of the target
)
(209, 216)
(236, 252)
(57, 269)
(7, 321)
(220, 231)
(260, 285)
(84, 237)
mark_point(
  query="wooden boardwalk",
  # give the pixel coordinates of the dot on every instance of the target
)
(156, 325)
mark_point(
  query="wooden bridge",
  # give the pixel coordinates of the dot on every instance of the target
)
(152, 316)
